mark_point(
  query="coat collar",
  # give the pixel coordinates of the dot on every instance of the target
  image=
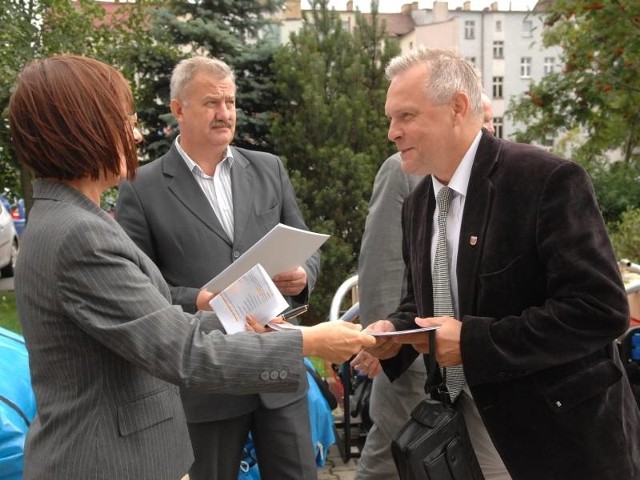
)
(182, 184)
(475, 218)
(61, 192)
(242, 181)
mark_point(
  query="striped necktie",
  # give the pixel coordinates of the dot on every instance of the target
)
(442, 302)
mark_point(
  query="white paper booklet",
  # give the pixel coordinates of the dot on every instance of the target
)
(253, 293)
(283, 248)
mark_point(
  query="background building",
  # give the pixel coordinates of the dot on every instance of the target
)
(505, 46)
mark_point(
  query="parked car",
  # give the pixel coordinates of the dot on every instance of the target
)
(8, 243)
(17, 213)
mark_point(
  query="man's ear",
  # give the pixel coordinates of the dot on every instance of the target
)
(176, 109)
(461, 106)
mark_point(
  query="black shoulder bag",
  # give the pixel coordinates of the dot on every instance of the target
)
(434, 444)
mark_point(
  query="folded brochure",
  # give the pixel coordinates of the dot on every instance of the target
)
(253, 293)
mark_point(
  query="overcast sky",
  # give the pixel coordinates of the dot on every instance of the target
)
(394, 6)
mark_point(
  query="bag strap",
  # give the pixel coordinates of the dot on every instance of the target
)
(435, 385)
(323, 386)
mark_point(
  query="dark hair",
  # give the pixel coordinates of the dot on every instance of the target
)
(69, 119)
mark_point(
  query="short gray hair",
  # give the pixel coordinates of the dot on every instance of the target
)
(186, 70)
(448, 74)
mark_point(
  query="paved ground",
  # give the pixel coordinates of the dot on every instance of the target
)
(335, 468)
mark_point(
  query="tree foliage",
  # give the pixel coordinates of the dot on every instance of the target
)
(592, 104)
(331, 131)
(32, 30)
(625, 235)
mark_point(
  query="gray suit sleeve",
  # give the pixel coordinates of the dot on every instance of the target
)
(381, 279)
(105, 287)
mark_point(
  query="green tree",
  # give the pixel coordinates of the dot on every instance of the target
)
(15, 36)
(593, 102)
(39, 29)
(331, 131)
(625, 235)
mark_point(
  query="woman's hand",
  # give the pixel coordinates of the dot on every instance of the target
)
(255, 326)
(335, 341)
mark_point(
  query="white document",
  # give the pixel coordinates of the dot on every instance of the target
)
(283, 248)
(253, 293)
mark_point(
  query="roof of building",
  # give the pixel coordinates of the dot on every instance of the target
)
(398, 24)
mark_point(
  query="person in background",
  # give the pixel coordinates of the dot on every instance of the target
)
(381, 286)
(194, 211)
(106, 346)
(487, 114)
(536, 291)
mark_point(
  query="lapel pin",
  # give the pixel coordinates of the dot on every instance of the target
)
(473, 240)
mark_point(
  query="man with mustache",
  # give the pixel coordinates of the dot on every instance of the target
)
(195, 210)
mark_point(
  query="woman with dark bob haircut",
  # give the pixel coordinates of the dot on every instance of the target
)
(107, 349)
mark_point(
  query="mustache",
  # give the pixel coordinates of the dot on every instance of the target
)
(221, 123)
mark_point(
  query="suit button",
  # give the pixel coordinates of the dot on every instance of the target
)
(283, 374)
(264, 376)
(274, 375)
(236, 254)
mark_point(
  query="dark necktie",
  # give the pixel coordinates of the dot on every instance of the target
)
(442, 302)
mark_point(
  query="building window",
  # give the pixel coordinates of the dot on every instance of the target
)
(549, 64)
(548, 141)
(498, 49)
(498, 25)
(527, 28)
(497, 88)
(471, 60)
(525, 67)
(469, 29)
(498, 126)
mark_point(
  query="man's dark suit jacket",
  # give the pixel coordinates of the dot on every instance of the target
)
(168, 216)
(541, 301)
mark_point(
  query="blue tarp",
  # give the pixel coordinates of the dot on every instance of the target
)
(17, 403)
(322, 431)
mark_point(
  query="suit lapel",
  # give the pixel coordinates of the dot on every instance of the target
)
(181, 183)
(243, 193)
(475, 218)
(425, 227)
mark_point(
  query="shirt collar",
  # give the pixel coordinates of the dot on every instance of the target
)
(193, 166)
(460, 180)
